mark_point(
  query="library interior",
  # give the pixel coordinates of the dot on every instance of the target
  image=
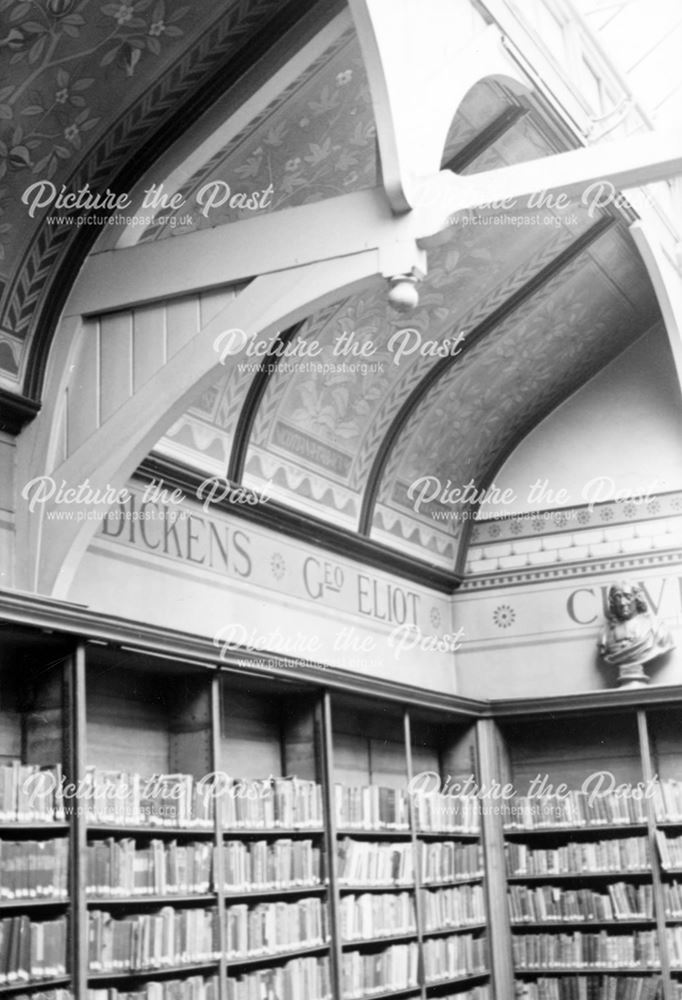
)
(340, 546)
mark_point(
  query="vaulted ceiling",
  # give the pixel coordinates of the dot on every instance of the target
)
(93, 93)
(514, 316)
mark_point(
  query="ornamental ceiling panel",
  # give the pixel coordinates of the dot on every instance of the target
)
(499, 389)
(323, 420)
(314, 140)
(346, 373)
(91, 83)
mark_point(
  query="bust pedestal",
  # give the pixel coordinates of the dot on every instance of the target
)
(631, 675)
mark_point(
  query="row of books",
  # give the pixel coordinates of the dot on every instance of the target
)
(574, 808)
(580, 807)
(141, 941)
(365, 973)
(269, 928)
(34, 869)
(123, 798)
(591, 988)
(669, 850)
(277, 864)
(440, 812)
(674, 936)
(31, 794)
(60, 994)
(621, 901)
(370, 863)
(667, 798)
(446, 861)
(299, 979)
(477, 993)
(371, 807)
(672, 899)
(32, 951)
(271, 804)
(450, 957)
(628, 854)
(454, 907)
(375, 914)
(580, 949)
(122, 868)
(376, 807)
(179, 800)
(192, 988)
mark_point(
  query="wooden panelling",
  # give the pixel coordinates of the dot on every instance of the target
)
(116, 362)
(666, 747)
(82, 403)
(10, 735)
(182, 322)
(149, 342)
(250, 744)
(212, 302)
(567, 750)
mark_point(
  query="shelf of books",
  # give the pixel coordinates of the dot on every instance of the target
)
(409, 866)
(581, 877)
(144, 824)
(35, 869)
(273, 841)
(171, 831)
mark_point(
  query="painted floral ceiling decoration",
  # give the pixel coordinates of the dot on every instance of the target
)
(320, 427)
(317, 139)
(319, 434)
(86, 84)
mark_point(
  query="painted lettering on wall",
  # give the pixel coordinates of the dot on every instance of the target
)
(589, 605)
(193, 538)
(378, 599)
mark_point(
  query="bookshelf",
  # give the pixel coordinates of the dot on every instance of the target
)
(295, 844)
(583, 886)
(36, 879)
(274, 888)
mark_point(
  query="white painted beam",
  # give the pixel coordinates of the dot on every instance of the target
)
(641, 159)
(355, 223)
(421, 58)
(667, 283)
(110, 455)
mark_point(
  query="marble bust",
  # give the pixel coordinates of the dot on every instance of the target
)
(632, 636)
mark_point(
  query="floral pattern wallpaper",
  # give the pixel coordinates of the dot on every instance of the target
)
(74, 72)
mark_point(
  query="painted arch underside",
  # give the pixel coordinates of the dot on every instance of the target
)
(518, 310)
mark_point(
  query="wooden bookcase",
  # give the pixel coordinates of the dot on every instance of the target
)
(505, 870)
(584, 888)
(36, 903)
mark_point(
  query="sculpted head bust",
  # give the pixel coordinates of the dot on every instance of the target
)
(632, 636)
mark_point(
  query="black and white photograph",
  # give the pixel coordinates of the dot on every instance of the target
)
(340, 500)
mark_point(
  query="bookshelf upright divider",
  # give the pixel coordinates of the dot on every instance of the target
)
(218, 853)
(418, 897)
(76, 727)
(324, 710)
(492, 832)
(657, 881)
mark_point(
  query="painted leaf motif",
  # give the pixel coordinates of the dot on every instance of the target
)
(21, 10)
(327, 102)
